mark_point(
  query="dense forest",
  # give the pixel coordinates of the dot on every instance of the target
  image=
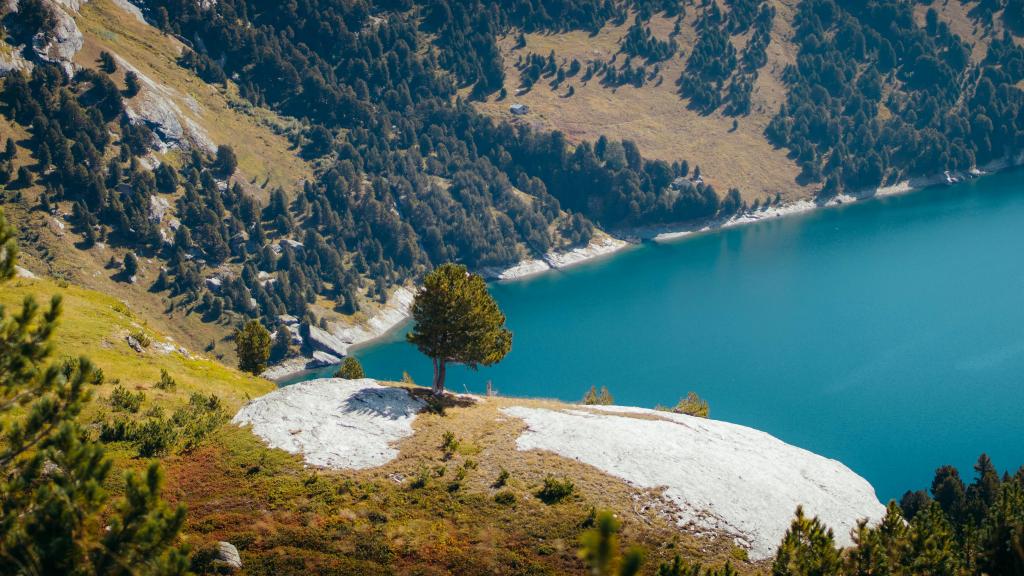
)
(410, 175)
(952, 528)
(875, 98)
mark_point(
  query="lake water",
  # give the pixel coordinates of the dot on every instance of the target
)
(887, 334)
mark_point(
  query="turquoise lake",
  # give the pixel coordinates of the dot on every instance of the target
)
(887, 334)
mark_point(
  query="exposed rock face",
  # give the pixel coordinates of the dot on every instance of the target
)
(66, 39)
(333, 422)
(721, 476)
(321, 359)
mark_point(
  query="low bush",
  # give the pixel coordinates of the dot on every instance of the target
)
(166, 382)
(505, 498)
(123, 400)
(555, 490)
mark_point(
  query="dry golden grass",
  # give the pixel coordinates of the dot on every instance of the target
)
(263, 155)
(655, 117)
(955, 14)
(286, 517)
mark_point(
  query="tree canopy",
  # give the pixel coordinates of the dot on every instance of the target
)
(458, 322)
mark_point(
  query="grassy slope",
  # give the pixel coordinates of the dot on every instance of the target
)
(264, 155)
(655, 116)
(288, 519)
(266, 159)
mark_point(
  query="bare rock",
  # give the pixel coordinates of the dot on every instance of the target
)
(227, 557)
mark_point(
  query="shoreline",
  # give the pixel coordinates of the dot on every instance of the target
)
(344, 337)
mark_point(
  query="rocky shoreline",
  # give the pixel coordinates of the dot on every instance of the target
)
(340, 337)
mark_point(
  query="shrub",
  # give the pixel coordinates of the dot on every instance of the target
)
(449, 444)
(141, 337)
(692, 405)
(555, 490)
(166, 382)
(123, 400)
(505, 498)
(155, 437)
(202, 416)
(350, 369)
(502, 478)
(119, 430)
(421, 480)
(604, 398)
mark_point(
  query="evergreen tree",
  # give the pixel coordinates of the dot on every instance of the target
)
(131, 84)
(252, 344)
(226, 162)
(807, 549)
(350, 369)
(107, 63)
(458, 322)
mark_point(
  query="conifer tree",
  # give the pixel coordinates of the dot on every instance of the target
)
(252, 344)
(600, 549)
(350, 369)
(458, 322)
(807, 549)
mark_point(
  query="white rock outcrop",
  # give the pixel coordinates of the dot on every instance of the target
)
(721, 476)
(333, 422)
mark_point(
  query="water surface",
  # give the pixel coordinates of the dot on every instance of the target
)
(885, 334)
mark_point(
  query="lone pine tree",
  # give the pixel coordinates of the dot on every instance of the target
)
(458, 322)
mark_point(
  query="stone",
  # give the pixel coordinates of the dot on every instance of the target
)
(227, 557)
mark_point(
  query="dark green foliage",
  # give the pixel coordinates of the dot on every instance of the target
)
(554, 490)
(252, 344)
(975, 530)
(55, 518)
(350, 369)
(166, 382)
(131, 264)
(123, 400)
(226, 162)
(107, 63)
(131, 84)
(154, 437)
(944, 112)
(458, 322)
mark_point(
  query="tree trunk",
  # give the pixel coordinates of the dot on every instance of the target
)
(439, 371)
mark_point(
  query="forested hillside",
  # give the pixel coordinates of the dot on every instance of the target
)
(390, 147)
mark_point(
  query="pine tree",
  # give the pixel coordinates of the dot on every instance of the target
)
(53, 508)
(458, 322)
(252, 344)
(131, 84)
(807, 549)
(350, 369)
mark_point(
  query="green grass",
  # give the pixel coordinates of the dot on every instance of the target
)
(96, 325)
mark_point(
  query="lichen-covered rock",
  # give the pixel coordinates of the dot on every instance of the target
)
(227, 557)
(722, 477)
